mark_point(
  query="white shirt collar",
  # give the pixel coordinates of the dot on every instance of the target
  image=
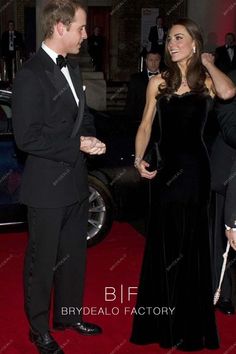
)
(53, 55)
(148, 71)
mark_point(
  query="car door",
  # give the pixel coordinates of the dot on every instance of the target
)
(11, 167)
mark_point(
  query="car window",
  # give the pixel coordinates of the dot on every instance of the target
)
(11, 168)
(5, 118)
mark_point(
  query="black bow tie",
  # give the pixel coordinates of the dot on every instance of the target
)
(61, 61)
(151, 74)
(230, 47)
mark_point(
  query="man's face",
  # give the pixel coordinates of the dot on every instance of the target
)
(97, 31)
(11, 26)
(229, 39)
(159, 22)
(153, 62)
(75, 34)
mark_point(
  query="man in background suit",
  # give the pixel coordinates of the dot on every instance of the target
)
(225, 56)
(230, 199)
(12, 42)
(157, 36)
(54, 127)
(136, 97)
(223, 162)
(230, 207)
(96, 45)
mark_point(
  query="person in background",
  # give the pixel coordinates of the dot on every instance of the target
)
(96, 44)
(225, 56)
(12, 41)
(176, 270)
(223, 205)
(52, 124)
(157, 36)
(136, 96)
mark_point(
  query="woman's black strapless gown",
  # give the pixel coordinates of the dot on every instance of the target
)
(175, 300)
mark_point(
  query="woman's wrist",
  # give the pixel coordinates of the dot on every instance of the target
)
(137, 161)
(230, 228)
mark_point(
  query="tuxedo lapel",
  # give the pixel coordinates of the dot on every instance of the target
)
(63, 89)
(61, 85)
(77, 82)
(227, 57)
(145, 76)
(58, 80)
(234, 56)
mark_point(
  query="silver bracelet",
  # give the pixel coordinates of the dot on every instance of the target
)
(137, 161)
(230, 228)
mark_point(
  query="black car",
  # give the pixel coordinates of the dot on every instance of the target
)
(116, 190)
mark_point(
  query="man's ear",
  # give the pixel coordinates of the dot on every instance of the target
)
(60, 28)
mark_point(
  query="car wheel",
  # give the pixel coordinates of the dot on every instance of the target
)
(100, 211)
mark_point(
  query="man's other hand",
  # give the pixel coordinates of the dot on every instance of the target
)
(92, 146)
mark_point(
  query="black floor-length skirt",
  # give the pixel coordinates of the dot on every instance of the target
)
(175, 301)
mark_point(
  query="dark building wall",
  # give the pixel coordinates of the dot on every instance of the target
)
(126, 31)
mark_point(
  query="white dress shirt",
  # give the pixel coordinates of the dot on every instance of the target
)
(231, 53)
(160, 35)
(53, 55)
(11, 41)
(151, 74)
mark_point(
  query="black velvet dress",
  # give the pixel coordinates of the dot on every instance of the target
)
(175, 301)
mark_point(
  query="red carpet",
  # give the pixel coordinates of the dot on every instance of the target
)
(115, 263)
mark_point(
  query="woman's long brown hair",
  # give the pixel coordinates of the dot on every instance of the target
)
(196, 73)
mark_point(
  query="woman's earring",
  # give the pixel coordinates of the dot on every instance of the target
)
(194, 50)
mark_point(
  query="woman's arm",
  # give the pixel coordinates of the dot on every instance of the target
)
(144, 130)
(219, 84)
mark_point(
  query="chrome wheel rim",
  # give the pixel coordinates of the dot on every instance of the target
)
(97, 213)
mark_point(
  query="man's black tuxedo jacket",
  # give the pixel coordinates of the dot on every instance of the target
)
(18, 42)
(47, 125)
(222, 59)
(223, 159)
(136, 97)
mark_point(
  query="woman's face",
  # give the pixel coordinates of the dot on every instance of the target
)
(180, 44)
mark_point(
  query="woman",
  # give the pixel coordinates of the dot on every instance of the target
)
(175, 301)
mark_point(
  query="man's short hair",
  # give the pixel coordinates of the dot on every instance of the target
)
(152, 52)
(230, 34)
(158, 17)
(55, 11)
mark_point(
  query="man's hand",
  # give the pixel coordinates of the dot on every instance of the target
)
(231, 235)
(92, 146)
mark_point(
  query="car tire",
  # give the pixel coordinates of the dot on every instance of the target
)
(100, 211)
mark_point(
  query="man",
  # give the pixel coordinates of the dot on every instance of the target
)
(157, 36)
(11, 43)
(136, 97)
(96, 44)
(223, 161)
(225, 56)
(53, 126)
